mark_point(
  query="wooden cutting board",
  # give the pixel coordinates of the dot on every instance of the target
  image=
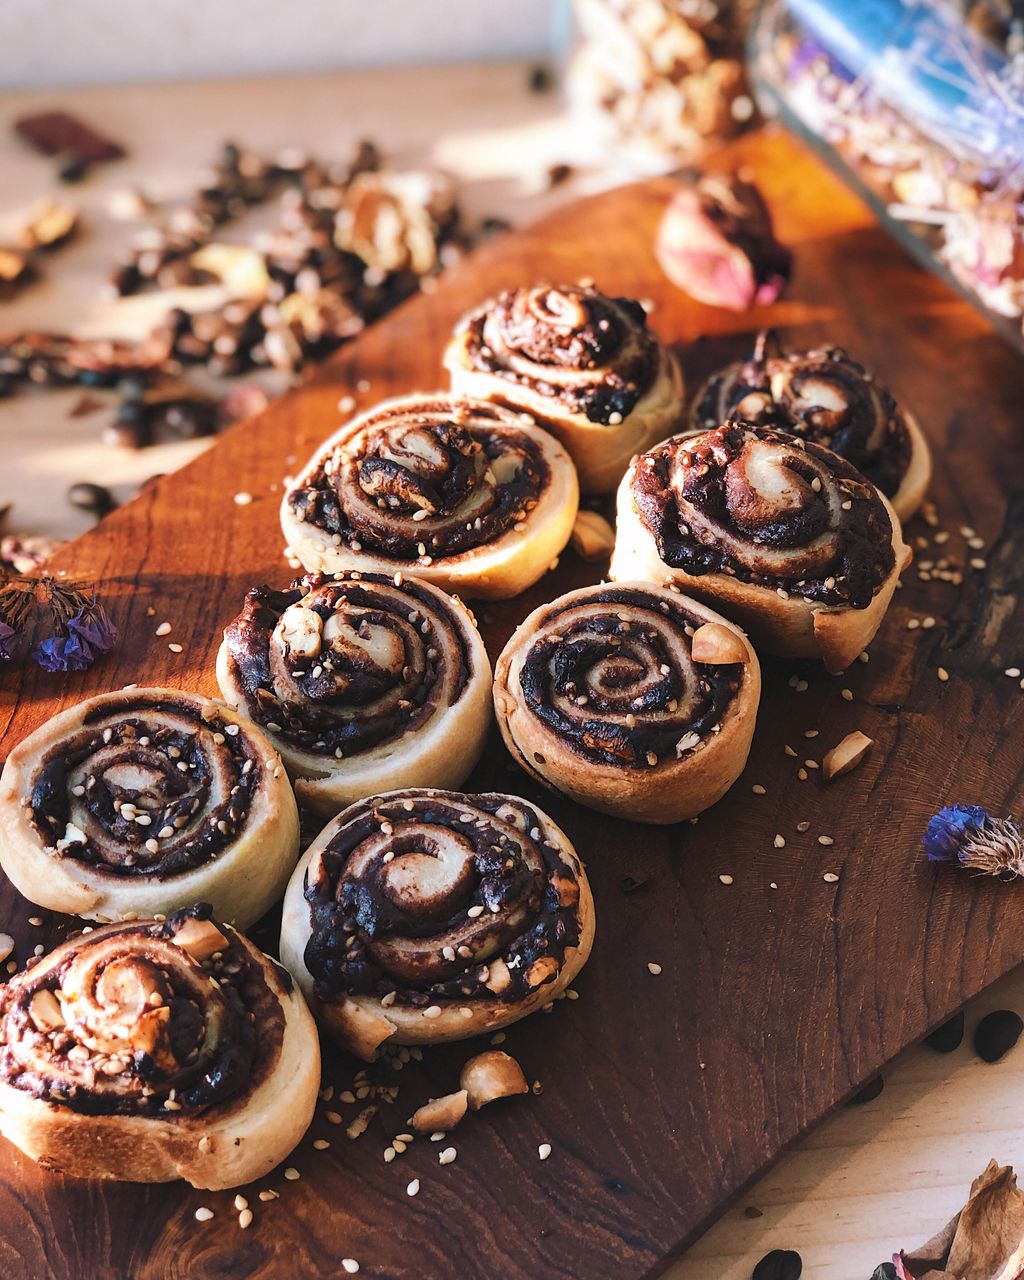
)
(663, 1096)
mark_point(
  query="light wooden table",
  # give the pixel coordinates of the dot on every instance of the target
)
(870, 1179)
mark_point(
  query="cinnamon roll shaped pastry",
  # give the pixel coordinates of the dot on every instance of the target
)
(133, 803)
(824, 396)
(782, 535)
(631, 699)
(364, 683)
(461, 493)
(157, 1050)
(419, 916)
(583, 365)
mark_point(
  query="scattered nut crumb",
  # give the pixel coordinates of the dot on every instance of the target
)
(846, 755)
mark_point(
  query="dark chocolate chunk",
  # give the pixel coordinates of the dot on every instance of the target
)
(996, 1034)
(949, 1036)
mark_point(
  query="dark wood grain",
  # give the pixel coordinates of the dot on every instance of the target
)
(663, 1097)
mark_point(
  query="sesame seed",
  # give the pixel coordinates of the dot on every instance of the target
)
(447, 1155)
(758, 790)
(830, 877)
(269, 1195)
(35, 920)
(434, 1011)
(725, 879)
(976, 562)
(789, 750)
(292, 1174)
(826, 840)
(413, 1188)
(241, 1203)
(321, 1144)
(349, 1265)
(544, 1150)
(803, 826)
(653, 968)
(780, 841)
(847, 694)
(203, 1214)
(243, 499)
(913, 624)
(175, 648)
(943, 674)
(773, 885)
(499, 1037)
(473, 912)
(245, 1218)
(164, 629)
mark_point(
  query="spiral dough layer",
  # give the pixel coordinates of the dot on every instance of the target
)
(786, 537)
(364, 682)
(584, 365)
(824, 396)
(133, 802)
(462, 493)
(424, 915)
(631, 699)
(156, 1050)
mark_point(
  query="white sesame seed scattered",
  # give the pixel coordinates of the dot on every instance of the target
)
(241, 1203)
(826, 840)
(447, 1155)
(544, 1150)
(164, 629)
(434, 1011)
(35, 920)
(349, 1265)
(976, 562)
(203, 1214)
(473, 912)
(174, 648)
(1012, 672)
(499, 1037)
(245, 1219)
(780, 842)
(847, 694)
(653, 968)
(269, 1195)
(291, 1174)
(243, 499)
(943, 674)
(321, 1144)
(725, 879)
(758, 790)
(773, 885)
(830, 877)
(413, 1188)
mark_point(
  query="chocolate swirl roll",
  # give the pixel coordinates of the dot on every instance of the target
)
(782, 535)
(157, 1050)
(363, 682)
(824, 396)
(585, 366)
(461, 493)
(134, 802)
(422, 915)
(631, 699)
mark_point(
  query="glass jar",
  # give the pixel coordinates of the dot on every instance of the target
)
(919, 104)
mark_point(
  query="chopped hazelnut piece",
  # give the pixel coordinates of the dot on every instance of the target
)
(718, 645)
(492, 1075)
(440, 1113)
(846, 755)
(592, 536)
(45, 1011)
(543, 969)
(200, 938)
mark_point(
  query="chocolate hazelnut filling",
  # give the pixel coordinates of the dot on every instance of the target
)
(758, 505)
(434, 481)
(592, 354)
(614, 677)
(154, 788)
(440, 897)
(820, 395)
(143, 1020)
(340, 665)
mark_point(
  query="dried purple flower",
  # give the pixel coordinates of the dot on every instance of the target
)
(63, 653)
(8, 643)
(93, 627)
(973, 838)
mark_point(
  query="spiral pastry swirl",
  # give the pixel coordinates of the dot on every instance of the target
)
(132, 802)
(786, 537)
(462, 493)
(364, 683)
(584, 365)
(157, 1050)
(630, 699)
(824, 396)
(426, 915)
